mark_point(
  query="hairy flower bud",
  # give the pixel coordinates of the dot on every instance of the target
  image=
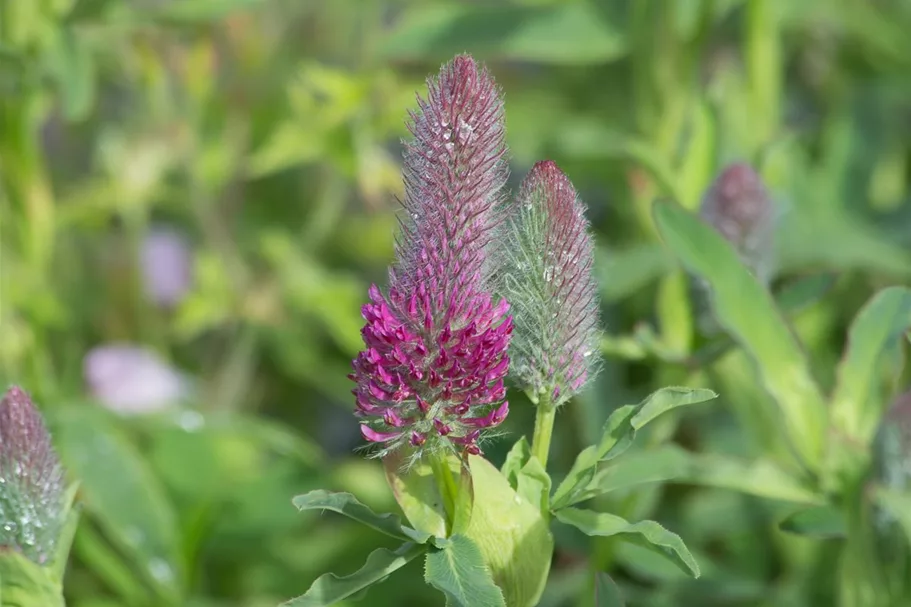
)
(891, 467)
(432, 373)
(546, 272)
(740, 208)
(892, 446)
(32, 508)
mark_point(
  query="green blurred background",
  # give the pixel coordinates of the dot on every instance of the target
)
(196, 195)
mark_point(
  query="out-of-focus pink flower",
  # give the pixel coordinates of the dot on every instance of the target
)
(432, 373)
(133, 380)
(31, 480)
(740, 208)
(166, 266)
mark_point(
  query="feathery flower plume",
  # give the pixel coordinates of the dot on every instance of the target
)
(432, 373)
(32, 508)
(740, 208)
(546, 272)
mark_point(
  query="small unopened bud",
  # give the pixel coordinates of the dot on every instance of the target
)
(32, 505)
(892, 446)
(547, 255)
(891, 469)
(739, 207)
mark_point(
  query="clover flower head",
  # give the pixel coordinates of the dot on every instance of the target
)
(432, 372)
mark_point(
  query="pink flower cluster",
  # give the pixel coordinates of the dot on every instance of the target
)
(432, 373)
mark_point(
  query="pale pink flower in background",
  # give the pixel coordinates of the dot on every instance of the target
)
(166, 265)
(133, 380)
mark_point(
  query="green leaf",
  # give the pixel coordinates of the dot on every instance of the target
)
(670, 463)
(698, 161)
(859, 399)
(618, 434)
(761, 478)
(651, 466)
(458, 571)
(749, 314)
(73, 67)
(607, 594)
(512, 535)
(201, 11)
(572, 33)
(590, 139)
(417, 493)
(820, 522)
(67, 532)
(648, 534)
(27, 584)
(623, 272)
(804, 292)
(665, 399)
(533, 483)
(112, 570)
(516, 459)
(347, 504)
(134, 513)
(328, 589)
(898, 504)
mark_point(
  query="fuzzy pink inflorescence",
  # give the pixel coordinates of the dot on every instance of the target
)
(432, 373)
(31, 480)
(567, 358)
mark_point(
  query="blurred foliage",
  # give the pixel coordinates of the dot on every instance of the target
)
(266, 132)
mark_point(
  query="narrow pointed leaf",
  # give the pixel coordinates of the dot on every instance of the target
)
(670, 463)
(347, 504)
(648, 534)
(329, 589)
(821, 522)
(746, 309)
(67, 533)
(859, 400)
(618, 434)
(24, 583)
(458, 571)
(516, 459)
(607, 594)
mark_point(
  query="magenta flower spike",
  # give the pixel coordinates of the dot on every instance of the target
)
(32, 508)
(432, 372)
(546, 272)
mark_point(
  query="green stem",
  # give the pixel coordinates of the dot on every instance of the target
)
(447, 486)
(544, 429)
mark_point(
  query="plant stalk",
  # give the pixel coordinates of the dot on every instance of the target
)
(544, 428)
